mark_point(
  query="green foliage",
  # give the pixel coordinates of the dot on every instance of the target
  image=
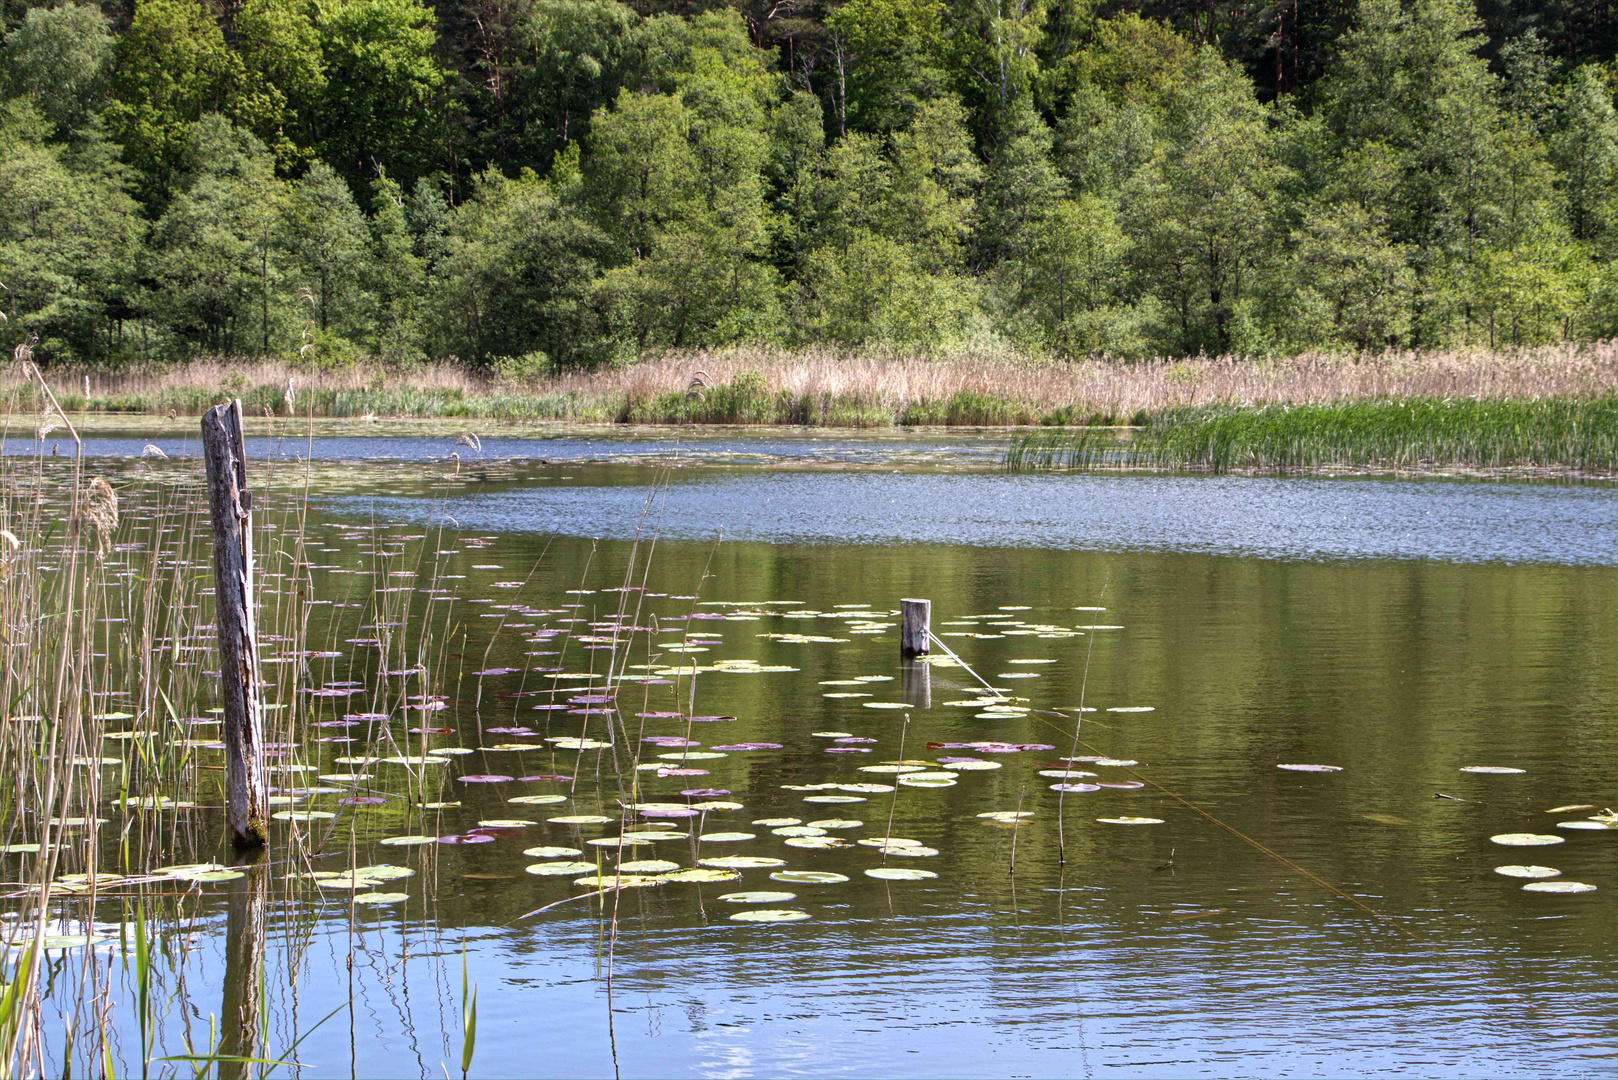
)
(378, 107)
(57, 59)
(584, 181)
(218, 283)
(173, 67)
(1578, 433)
(283, 79)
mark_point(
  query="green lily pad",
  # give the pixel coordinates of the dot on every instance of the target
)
(809, 877)
(770, 915)
(1558, 887)
(538, 800)
(741, 862)
(550, 852)
(559, 869)
(758, 897)
(898, 873)
(372, 899)
(700, 874)
(1130, 820)
(617, 881)
(1524, 839)
(1528, 871)
(407, 841)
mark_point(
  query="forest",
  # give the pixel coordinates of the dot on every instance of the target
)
(528, 186)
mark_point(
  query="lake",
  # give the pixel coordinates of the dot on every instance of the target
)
(709, 627)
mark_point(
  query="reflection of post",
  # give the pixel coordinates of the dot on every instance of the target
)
(915, 623)
(916, 683)
(244, 968)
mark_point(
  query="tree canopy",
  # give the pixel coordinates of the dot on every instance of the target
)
(544, 183)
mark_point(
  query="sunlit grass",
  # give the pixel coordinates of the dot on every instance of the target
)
(844, 388)
(1575, 433)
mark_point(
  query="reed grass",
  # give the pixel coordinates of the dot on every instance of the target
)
(828, 387)
(1577, 434)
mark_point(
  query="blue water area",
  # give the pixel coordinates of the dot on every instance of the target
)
(1244, 516)
(566, 444)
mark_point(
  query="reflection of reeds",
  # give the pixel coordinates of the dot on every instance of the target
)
(1575, 433)
(865, 388)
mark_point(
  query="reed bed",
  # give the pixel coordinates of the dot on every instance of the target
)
(1577, 434)
(840, 388)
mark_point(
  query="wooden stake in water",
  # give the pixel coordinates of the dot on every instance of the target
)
(915, 623)
(230, 506)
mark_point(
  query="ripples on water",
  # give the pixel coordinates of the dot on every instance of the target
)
(1238, 516)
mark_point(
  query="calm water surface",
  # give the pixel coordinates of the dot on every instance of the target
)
(1400, 630)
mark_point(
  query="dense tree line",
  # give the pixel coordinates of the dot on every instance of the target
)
(532, 183)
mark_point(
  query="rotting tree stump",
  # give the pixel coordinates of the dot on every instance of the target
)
(230, 506)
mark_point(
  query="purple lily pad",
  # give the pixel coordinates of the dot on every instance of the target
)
(1075, 787)
(363, 800)
(468, 838)
(543, 779)
(682, 772)
(670, 812)
(485, 778)
(704, 792)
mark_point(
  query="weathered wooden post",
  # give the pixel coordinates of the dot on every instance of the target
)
(230, 505)
(915, 622)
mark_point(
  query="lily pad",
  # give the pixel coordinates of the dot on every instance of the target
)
(538, 800)
(1493, 770)
(1528, 871)
(582, 819)
(757, 897)
(833, 798)
(809, 877)
(770, 915)
(559, 869)
(373, 899)
(899, 873)
(407, 841)
(1558, 887)
(1600, 825)
(1525, 839)
(701, 874)
(647, 866)
(1007, 816)
(618, 881)
(725, 837)
(1130, 820)
(741, 862)
(547, 852)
